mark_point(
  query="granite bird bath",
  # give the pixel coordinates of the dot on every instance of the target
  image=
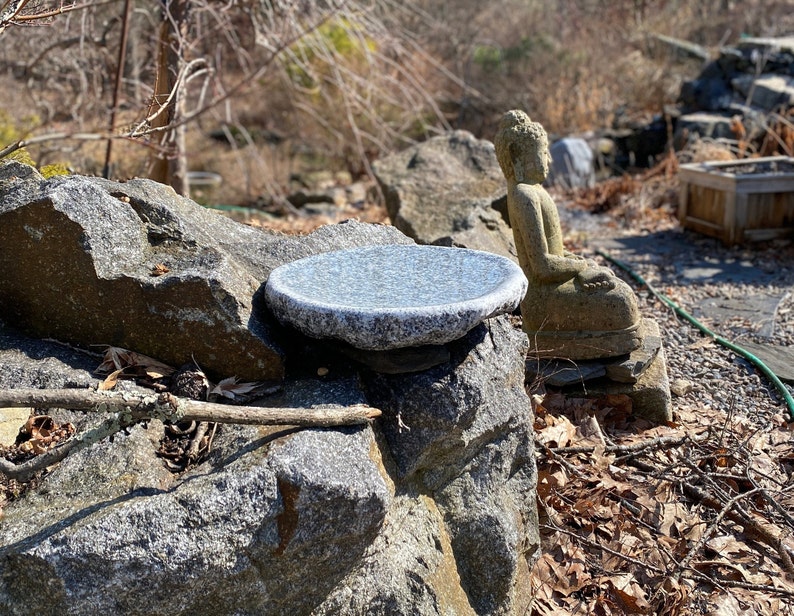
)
(393, 297)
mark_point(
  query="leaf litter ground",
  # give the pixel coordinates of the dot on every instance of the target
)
(691, 518)
(687, 518)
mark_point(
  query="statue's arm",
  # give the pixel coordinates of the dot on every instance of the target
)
(559, 268)
(545, 266)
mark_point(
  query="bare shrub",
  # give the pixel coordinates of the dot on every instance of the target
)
(343, 73)
(337, 83)
(572, 63)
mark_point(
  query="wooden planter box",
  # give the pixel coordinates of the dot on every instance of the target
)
(738, 201)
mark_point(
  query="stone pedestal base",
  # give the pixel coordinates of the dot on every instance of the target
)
(584, 345)
(641, 375)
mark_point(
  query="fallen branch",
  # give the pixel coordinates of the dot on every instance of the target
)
(754, 526)
(57, 136)
(633, 449)
(710, 530)
(170, 408)
(128, 409)
(600, 546)
(724, 582)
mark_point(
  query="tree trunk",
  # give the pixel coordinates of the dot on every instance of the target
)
(169, 163)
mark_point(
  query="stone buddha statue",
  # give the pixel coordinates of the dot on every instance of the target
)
(574, 308)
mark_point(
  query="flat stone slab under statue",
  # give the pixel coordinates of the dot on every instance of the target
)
(390, 297)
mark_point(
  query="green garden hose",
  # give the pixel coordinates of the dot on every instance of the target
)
(782, 389)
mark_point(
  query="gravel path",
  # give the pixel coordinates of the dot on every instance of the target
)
(743, 293)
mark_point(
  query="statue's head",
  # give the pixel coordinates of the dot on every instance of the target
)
(522, 148)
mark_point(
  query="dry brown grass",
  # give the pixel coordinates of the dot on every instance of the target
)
(572, 64)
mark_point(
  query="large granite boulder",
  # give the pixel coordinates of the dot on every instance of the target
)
(93, 262)
(446, 191)
(430, 509)
(474, 454)
(269, 525)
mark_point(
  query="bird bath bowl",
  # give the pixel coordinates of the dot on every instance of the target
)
(394, 296)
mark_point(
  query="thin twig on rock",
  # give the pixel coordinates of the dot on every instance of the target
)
(128, 409)
(170, 408)
(195, 441)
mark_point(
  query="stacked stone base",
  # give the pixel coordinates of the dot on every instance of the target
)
(641, 375)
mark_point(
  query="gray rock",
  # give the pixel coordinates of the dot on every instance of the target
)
(564, 372)
(473, 452)
(389, 297)
(710, 91)
(767, 92)
(278, 520)
(415, 555)
(36, 363)
(237, 539)
(627, 369)
(486, 230)
(650, 395)
(356, 193)
(268, 525)
(399, 361)
(572, 164)
(713, 125)
(630, 369)
(442, 191)
(79, 253)
(342, 236)
(302, 198)
(681, 387)
(78, 257)
(772, 50)
(759, 308)
(779, 359)
(642, 376)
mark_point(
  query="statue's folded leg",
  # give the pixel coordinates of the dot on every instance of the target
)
(562, 321)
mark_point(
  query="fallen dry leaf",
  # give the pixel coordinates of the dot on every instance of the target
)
(559, 431)
(234, 390)
(117, 358)
(41, 433)
(159, 270)
(110, 380)
(627, 593)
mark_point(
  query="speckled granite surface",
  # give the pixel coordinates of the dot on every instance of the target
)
(388, 297)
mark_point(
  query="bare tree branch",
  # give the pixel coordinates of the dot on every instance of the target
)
(10, 12)
(57, 136)
(171, 408)
(128, 409)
